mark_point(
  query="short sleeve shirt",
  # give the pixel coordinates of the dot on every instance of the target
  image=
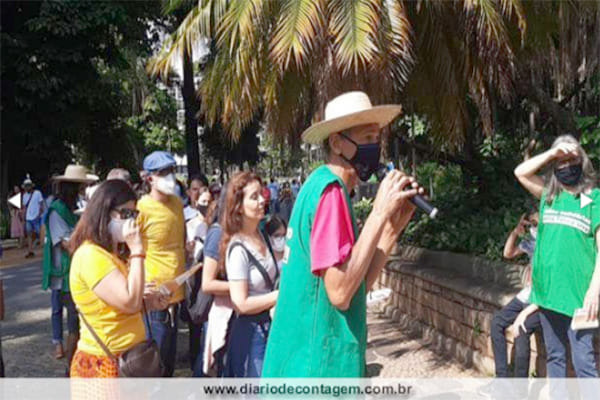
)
(33, 201)
(212, 242)
(565, 253)
(163, 232)
(332, 235)
(118, 330)
(240, 268)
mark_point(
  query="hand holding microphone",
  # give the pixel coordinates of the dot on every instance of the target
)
(393, 194)
(417, 198)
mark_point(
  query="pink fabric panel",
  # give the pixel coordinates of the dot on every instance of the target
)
(332, 236)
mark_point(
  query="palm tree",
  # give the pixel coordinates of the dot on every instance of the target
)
(181, 50)
(288, 57)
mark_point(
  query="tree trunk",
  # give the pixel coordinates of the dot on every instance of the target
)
(192, 106)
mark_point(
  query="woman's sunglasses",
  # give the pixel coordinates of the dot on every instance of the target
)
(127, 213)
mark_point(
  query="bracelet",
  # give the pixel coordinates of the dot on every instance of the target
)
(141, 255)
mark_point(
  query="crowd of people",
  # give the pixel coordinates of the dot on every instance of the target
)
(108, 247)
(281, 289)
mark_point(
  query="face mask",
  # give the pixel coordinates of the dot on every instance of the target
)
(165, 184)
(365, 160)
(115, 228)
(278, 243)
(202, 209)
(533, 231)
(569, 176)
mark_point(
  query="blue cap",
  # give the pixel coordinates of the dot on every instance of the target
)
(158, 160)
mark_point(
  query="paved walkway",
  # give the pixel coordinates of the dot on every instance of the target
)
(14, 257)
(393, 353)
(27, 348)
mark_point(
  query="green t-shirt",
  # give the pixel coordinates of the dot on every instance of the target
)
(565, 254)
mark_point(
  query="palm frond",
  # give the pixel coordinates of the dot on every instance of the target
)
(515, 6)
(238, 23)
(354, 24)
(169, 6)
(199, 23)
(395, 43)
(233, 85)
(296, 30)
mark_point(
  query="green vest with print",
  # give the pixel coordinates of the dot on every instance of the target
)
(310, 337)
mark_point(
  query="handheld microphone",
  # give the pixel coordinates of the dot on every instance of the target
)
(417, 200)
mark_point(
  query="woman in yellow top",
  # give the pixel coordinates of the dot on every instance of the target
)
(106, 291)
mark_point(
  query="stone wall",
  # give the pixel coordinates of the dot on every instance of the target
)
(449, 299)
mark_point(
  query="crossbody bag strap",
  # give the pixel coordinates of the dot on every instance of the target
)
(257, 263)
(268, 243)
(97, 338)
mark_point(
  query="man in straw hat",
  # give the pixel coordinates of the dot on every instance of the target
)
(319, 328)
(60, 221)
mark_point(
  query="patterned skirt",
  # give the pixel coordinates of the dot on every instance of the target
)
(86, 365)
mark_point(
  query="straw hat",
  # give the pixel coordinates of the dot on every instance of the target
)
(347, 111)
(75, 173)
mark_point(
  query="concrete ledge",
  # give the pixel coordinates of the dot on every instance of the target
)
(450, 300)
(503, 274)
(475, 287)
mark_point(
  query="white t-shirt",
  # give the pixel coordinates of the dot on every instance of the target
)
(523, 295)
(34, 202)
(239, 267)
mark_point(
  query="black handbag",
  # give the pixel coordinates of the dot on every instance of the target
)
(197, 303)
(141, 361)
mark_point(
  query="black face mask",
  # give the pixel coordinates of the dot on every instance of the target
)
(366, 159)
(569, 176)
(202, 210)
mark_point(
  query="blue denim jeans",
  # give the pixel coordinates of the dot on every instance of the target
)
(246, 346)
(197, 348)
(59, 301)
(163, 329)
(502, 320)
(557, 333)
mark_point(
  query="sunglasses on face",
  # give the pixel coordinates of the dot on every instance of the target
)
(127, 213)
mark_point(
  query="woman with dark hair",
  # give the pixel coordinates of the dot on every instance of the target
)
(107, 279)
(214, 282)
(251, 272)
(276, 228)
(59, 222)
(566, 266)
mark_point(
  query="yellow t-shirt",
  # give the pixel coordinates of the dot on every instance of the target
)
(119, 331)
(163, 232)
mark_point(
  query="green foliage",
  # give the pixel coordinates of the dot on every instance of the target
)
(362, 208)
(470, 221)
(156, 127)
(590, 136)
(279, 159)
(4, 225)
(63, 68)
(219, 147)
